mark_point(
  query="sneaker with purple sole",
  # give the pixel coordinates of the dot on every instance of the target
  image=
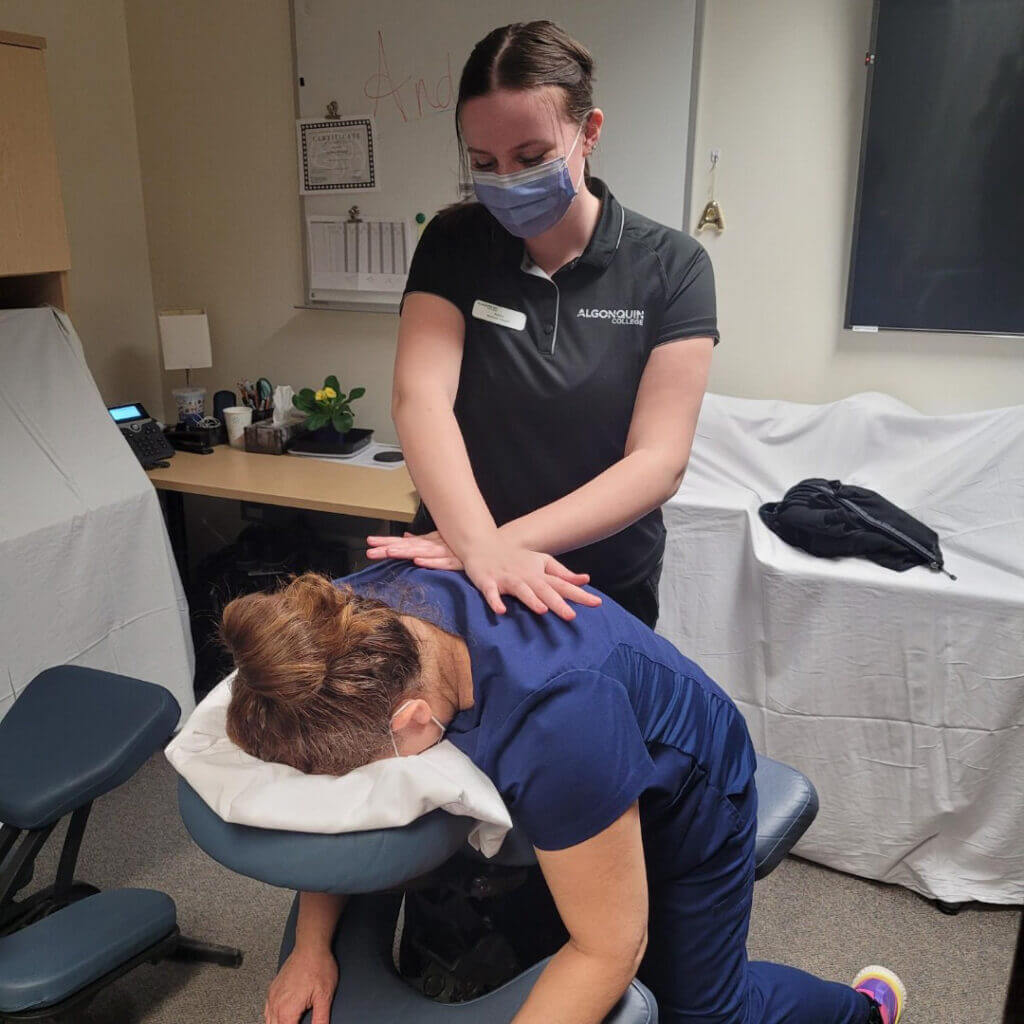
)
(885, 989)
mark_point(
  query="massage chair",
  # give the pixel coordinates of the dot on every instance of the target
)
(377, 868)
(77, 733)
(73, 735)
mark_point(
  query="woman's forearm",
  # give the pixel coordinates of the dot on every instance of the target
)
(624, 492)
(318, 918)
(577, 988)
(435, 453)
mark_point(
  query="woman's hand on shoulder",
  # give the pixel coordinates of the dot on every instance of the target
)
(307, 980)
(499, 565)
(426, 549)
(496, 566)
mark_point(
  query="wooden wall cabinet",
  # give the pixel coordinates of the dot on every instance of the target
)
(34, 253)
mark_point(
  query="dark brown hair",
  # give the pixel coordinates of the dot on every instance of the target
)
(526, 55)
(320, 669)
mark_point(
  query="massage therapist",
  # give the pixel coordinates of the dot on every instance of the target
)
(553, 349)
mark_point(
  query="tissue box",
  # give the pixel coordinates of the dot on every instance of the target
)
(272, 438)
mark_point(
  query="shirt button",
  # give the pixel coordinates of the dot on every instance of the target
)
(548, 328)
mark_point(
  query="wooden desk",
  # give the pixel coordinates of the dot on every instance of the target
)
(292, 481)
(287, 480)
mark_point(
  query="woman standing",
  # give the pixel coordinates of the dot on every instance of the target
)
(553, 350)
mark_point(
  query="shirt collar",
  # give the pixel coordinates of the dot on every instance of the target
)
(604, 242)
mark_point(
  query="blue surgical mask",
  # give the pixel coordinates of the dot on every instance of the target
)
(440, 725)
(529, 202)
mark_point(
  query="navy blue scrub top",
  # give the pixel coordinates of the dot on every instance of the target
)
(573, 721)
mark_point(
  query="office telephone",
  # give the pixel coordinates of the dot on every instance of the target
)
(142, 433)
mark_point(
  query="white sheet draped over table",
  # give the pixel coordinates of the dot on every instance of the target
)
(901, 695)
(87, 576)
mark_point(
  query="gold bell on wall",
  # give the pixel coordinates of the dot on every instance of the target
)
(711, 217)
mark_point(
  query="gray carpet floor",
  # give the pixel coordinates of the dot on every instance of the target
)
(955, 968)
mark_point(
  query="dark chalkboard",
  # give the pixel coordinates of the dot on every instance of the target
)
(938, 235)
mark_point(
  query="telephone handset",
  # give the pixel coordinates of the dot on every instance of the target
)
(142, 433)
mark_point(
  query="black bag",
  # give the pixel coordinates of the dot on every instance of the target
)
(832, 520)
(473, 928)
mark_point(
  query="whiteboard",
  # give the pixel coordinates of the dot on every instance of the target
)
(400, 61)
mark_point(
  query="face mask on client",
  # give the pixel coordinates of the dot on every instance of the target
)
(529, 202)
(440, 725)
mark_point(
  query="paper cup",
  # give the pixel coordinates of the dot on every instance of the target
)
(236, 419)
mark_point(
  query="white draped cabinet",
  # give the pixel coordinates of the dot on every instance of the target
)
(900, 695)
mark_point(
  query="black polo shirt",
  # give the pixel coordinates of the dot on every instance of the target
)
(551, 365)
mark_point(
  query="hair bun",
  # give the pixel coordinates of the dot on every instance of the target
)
(281, 640)
(316, 597)
(320, 668)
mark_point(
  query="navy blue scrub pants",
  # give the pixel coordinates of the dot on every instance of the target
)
(700, 860)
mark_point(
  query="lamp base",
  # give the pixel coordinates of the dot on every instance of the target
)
(191, 403)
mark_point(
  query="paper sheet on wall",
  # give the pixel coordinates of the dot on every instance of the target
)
(364, 255)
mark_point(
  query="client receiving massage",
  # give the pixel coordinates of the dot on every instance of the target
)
(631, 772)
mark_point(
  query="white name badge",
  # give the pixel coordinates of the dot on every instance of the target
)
(499, 315)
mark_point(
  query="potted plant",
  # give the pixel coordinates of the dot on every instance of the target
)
(329, 416)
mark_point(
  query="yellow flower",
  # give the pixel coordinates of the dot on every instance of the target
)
(320, 396)
(329, 392)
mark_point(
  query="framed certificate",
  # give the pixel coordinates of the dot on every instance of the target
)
(336, 155)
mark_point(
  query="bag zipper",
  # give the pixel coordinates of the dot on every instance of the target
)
(892, 531)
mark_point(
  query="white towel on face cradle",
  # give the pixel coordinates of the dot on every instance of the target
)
(384, 794)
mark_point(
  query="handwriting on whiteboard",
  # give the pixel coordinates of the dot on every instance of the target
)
(412, 100)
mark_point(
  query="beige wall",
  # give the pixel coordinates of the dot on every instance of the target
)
(781, 95)
(98, 159)
(214, 94)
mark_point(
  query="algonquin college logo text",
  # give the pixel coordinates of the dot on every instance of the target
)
(614, 316)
